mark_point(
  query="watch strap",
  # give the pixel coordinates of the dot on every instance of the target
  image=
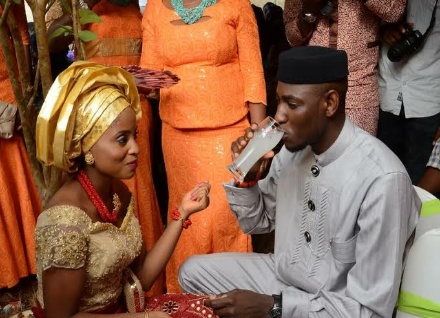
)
(276, 310)
(278, 300)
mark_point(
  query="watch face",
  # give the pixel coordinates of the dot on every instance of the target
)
(276, 312)
(309, 17)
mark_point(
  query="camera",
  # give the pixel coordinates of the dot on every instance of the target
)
(410, 42)
(327, 8)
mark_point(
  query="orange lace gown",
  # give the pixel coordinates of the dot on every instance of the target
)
(118, 42)
(218, 61)
(19, 199)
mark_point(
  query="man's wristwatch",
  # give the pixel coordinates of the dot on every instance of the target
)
(277, 310)
(309, 17)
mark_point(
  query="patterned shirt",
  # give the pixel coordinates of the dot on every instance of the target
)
(434, 160)
(355, 24)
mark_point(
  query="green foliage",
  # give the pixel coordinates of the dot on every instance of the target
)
(85, 16)
(88, 16)
(17, 1)
(64, 30)
(67, 6)
(86, 36)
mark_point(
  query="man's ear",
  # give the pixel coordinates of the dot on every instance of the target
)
(332, 102)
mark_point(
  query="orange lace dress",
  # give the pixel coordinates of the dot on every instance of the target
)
(19, 199)
(118, 42)
(218, 61)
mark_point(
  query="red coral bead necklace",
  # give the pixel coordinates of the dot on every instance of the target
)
(106, 215)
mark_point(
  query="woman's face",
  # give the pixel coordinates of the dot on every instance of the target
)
(116, 151)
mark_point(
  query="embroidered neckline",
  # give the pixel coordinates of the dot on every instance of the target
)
(98, 225)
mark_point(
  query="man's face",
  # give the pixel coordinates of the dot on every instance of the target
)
(301, 112)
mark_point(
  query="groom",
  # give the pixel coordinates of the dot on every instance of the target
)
(341, 203)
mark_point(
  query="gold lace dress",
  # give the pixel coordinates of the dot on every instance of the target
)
(67, 238)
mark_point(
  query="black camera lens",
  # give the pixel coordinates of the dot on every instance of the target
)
(410, 42)
(327, 8)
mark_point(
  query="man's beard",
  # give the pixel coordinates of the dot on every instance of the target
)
(296, 148)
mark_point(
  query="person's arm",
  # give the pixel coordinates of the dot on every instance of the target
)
(257, 112)
(255, 207)
(63, 261)
(388, 10)
(251, 66)
(62, 247)
(386, 220)
(430, 180)
(149, 57)
(62, 290)
(148, 266)
(298, 31)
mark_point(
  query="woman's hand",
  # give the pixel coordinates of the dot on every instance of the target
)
(195, 200)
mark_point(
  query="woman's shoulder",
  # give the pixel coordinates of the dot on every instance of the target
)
(65, 218)
(65, 207)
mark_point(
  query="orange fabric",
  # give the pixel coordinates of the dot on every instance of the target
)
(181, 306)
(125, 23)
(117, 23)
(19, 199)
(219, 63)
(191, 157)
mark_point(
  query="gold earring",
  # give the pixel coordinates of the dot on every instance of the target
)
(88, 158)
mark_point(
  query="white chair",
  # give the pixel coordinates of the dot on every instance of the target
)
(430, 214)
(420, 289)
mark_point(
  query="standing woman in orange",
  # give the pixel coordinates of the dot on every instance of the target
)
(19, 199)
(118, 42)
(213, 46)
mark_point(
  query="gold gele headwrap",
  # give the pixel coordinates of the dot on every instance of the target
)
(81, 104)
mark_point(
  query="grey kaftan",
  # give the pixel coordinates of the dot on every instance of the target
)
(342, 220)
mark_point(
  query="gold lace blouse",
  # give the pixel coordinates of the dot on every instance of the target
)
(67, 238)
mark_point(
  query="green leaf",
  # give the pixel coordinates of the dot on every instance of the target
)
(61, 30)
(17, 1)
(86, 35)
(67, 6)
(88, 16)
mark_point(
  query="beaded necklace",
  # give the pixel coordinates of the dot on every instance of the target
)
(105, 214)
(190, 16)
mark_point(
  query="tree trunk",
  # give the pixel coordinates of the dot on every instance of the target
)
(47, 179)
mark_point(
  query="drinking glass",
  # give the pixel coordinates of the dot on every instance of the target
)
(267, 136)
